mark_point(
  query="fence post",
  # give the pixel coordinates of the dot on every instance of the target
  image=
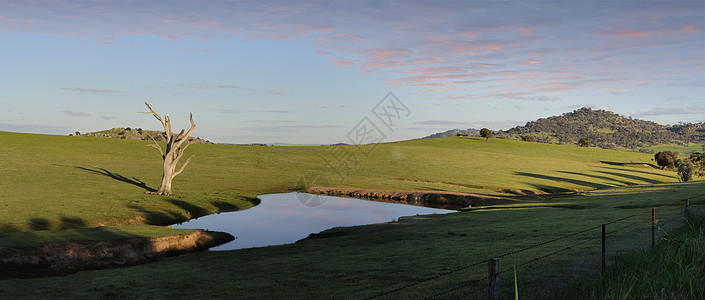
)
(493, 277)
(653, 227)
(685, 209)
(604, 267)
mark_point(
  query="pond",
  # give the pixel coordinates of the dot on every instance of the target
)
(288, 217)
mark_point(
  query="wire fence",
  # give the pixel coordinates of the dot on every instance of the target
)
(559, 263)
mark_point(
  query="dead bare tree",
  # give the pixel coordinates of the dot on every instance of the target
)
(174, 151)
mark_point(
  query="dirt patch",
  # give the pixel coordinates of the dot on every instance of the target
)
(69, 257)
(436, 199)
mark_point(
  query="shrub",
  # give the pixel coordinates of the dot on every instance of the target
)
(486, 133)
(666, 159)
(528, 138)
(584, 142)
(685, 170)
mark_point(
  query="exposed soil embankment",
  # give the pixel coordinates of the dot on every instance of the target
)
(436, 199)
(69, 257)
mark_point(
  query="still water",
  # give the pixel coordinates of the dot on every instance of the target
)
(288, 217)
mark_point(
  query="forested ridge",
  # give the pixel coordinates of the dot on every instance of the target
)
(607, 130)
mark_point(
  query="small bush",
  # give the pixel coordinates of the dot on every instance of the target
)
(685, 170)
(666, 159)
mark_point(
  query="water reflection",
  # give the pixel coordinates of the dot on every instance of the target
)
(283, 218)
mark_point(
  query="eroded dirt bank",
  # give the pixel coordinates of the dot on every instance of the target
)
(70, 257)
(436, 199)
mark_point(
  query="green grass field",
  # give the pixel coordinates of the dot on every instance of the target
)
(54, 182)
(682, 150)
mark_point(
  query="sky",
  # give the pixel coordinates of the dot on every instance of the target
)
(319, 71)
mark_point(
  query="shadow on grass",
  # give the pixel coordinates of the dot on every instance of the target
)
(637, 171)
(186, 210)
(133, 181)
(598, 177)
(45, 224)
(629, 176)
(561, 179)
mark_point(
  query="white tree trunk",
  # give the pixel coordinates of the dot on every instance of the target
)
(174, 151)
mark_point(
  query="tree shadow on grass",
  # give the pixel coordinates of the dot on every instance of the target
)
(562, 179)
(171, 216)
(63, 223)
(640, 172)
(133, 181)
(629, 176)
(598, 177)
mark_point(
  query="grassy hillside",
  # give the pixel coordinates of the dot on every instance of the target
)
(360, 262)
(54, 182)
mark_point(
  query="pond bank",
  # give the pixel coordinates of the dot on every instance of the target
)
(60, 258)
(435, 199)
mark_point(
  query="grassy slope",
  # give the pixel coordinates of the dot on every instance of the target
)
(362, 261)
(55, 182)
(674, 269)
(683, 151)
(63, 182)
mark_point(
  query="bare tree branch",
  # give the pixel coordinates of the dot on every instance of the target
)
(156, 145)
(184, 165)
(193, 126)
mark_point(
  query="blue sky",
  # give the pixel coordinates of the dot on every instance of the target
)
(308, 72)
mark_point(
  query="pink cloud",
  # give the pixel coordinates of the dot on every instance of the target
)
(689, 28)
(7, 19)
(340, 38)
(624, 32)
(321, 52)
(343, 62)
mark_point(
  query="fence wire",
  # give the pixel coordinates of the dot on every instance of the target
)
(646, 222)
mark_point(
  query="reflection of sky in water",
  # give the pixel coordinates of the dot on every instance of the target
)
(282, 219)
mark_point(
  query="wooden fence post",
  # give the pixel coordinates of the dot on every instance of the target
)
(493, 277)
(604, 267)
(685, 209)
(653, 228)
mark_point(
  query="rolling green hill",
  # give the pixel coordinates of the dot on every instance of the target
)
(57, 182)
(52, 182)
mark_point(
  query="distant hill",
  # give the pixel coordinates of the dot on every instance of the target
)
(606, 130)
(136, 134)
(455, 132)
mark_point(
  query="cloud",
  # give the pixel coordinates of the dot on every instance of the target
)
(689, 28)
(343, 62)
(625, 32)
(231, 111)
(92, 91)
(444, 123)
(75, 113)
(593, 106)
(238, 111)
(192, 49)
(203, 86)
(321, 52)
(109, 117)
(661, 111)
